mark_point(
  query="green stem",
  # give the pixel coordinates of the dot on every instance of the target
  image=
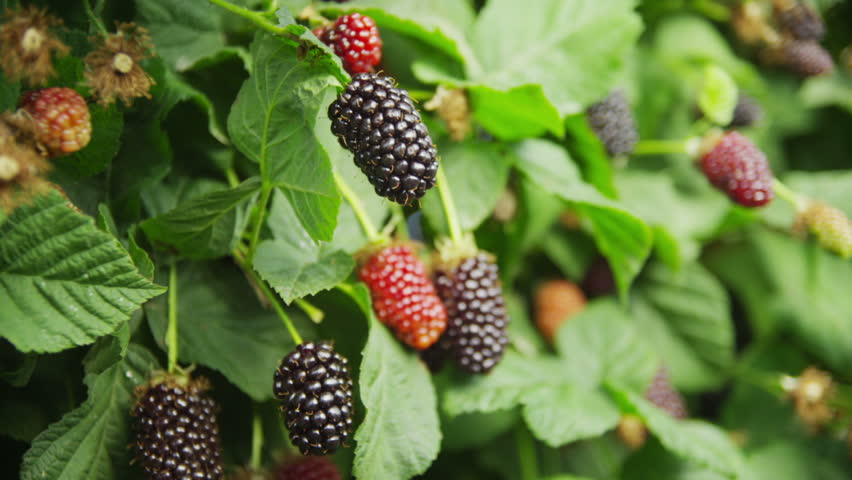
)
(231, 175)
(316, 315)
(526, 454)
(660, 147)
(450, 211)
(240, 257)
(265, 193)
(366, 224)
(799, 202)
(712, 10)
(96, 20)
(256, 441)
(172, 329)
(399, 220)
(421, 95)
(258, 18)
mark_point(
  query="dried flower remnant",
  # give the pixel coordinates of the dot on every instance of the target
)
(22, 170)
(28, 45)
(811, 392)
(113, 70)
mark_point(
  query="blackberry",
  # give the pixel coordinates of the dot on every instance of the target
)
(663, 394)
(737, 167)
(746, 113)
(806, 58)
(380, 125)
(308, 468)
(177, 435)
(355, 39)
(313, 385)
(599, 279)
(800, 20)
(477, 320)
(612, 121)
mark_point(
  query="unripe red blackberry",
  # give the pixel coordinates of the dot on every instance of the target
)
(736, 166)
(806, 58)
(403, 296)
(380, 125)
(612, 121)
(746, 113)
(800, 20)
(556, 301)
(662, 394)
(308, 468)
(62, 119)
(177, 435)
(355, 39)
(477, 320)
(315, 390)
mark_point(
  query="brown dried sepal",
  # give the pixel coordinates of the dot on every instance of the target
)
(812, 393)
(28, 45)
(113, 70)
(22, 170)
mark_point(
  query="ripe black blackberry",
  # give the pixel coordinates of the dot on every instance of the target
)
(663, 394)
(612, 121)
(746, 113)
(380, 125)
(806, 58)
(315, 391)
(476, 313)
(177, 435)
(800, 20)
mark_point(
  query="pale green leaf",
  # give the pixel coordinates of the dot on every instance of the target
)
(718, 96)
(565, 413)
(516, 113)
(297, 272)
(63, 282)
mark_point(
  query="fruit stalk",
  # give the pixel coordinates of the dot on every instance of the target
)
(172, 330)
(449, 208)
(257, 18)
(661, 147)
(527, 460)
(94, 18)
(256, 441)
(373, 235)
(799, 202)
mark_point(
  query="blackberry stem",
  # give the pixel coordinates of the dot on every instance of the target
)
(450, 211)
(256, 441)
(232, 177)
(798, 201)
(373, 235)
(527, 460)
(660, 147)
(172, 329)
(261, 217)
(96, 20)
(258, 18)
(316, 315)
(399, 220)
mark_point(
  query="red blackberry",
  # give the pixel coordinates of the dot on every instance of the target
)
(800, 20)
(806, 58)
(62, 119)
(556, 301)
(392, 146)
(313, 385)
(308, 468)
(746, 113)
(403, 296)
(662, 394)
(612, 121)
(477, 320)
(177, 435)
(737, 167)
(355, 39)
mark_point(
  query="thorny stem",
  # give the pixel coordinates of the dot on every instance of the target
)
(172, 329)
(450, 211)
(373, 235)
(258, 18)
(526, 454)
(256, 441)
(316, 315)
(240, 257)
(95, 19)
(798, 201)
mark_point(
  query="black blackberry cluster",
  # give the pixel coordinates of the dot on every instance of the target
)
(746, 113)
(476, 314)
(315, 391)
(800, 21)
(379, 124)
(807, 58)
(663, 394)
(177, 435)
(612, 121)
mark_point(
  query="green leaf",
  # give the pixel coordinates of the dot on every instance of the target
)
(718, 95)
(574, 50)
(623, 238)
(393, 441)
(272, 123)
(653, 462)
(786, 459)
(63, 282)
(91, 441)
(699, 442)
(222, 325)
(207, 227)
(601, 343)
(139, 256)
(477, 173)
(107, 126)
(584, 144)
(565, 413)
(686, 316)
(515, 114)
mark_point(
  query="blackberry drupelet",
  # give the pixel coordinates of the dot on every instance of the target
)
(746, 113)
(315, 391)
(663, 394)
(612, 121)
(800, 20)
(477, 320)
(380, 125)
(177, 435)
